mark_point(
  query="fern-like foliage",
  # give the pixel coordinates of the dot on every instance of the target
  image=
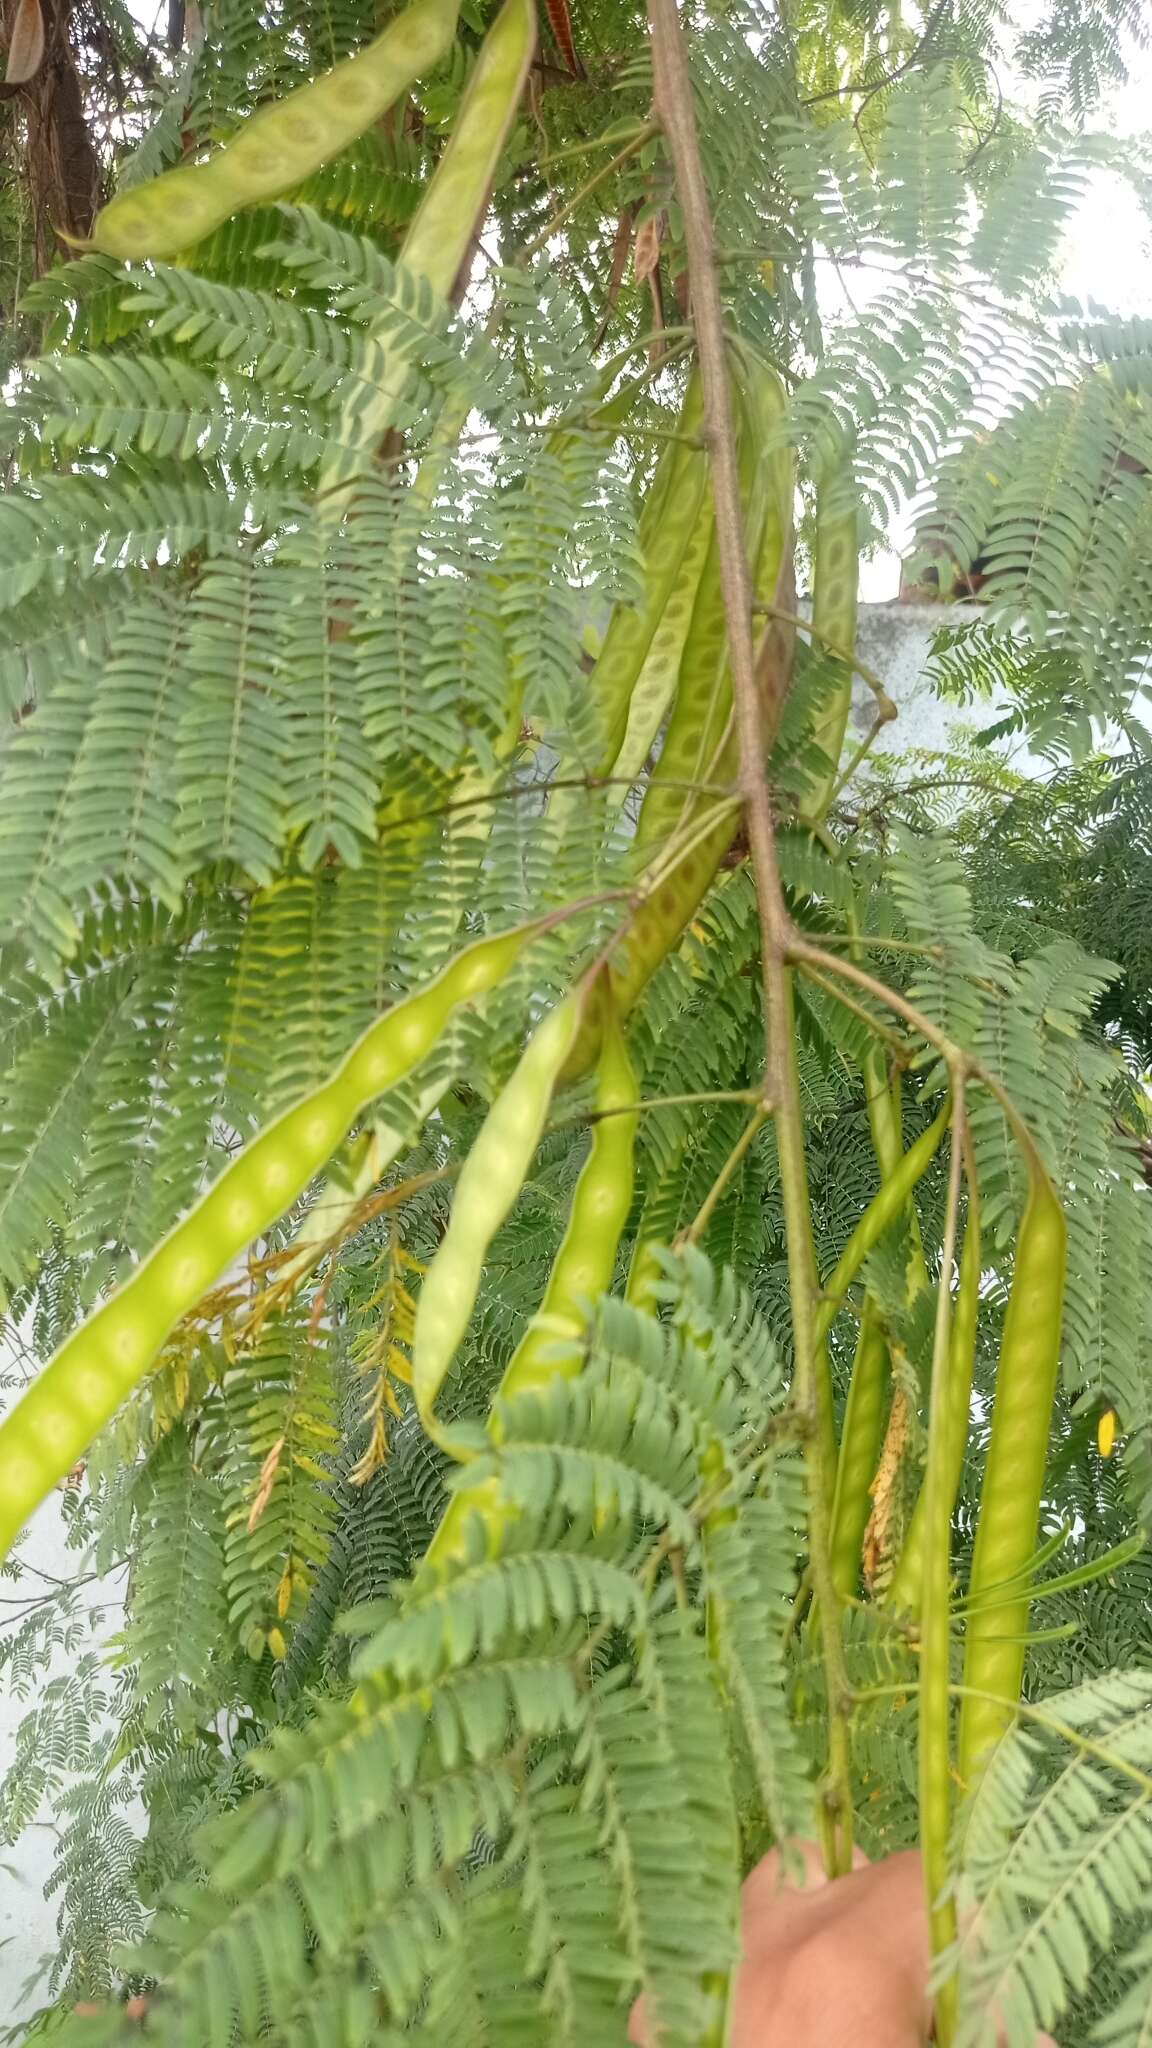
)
(276, 746)
(1056, 1854)
(558, 1701)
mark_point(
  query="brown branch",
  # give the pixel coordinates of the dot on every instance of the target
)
(676, 114)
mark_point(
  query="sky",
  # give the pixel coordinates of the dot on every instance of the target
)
(1107, 255)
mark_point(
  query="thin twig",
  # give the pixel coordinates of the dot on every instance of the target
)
(848, 655)
(935, 1774)
(900, 1047)
(704, 1214)
(812, 1393)
(585, 191)
(544, 787)
(884, 716)
(872, 87)
(598, 1116)
(958, 1061)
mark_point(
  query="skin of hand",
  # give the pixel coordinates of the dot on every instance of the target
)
(830, 1965)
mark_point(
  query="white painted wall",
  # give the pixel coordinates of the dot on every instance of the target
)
(27, 1919)
(894, 639)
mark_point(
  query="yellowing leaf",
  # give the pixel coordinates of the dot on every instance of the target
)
(1106, 1433)
(26, 44)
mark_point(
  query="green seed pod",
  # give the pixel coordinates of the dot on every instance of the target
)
(861, 1438)
(668, 524)
(700, 713)
(582, 1270)
(705, 825)
(904, 1591)
(279, 146)
(994, 1647)
(644, 1273)
(655, 925)
(585, 1263)
(163, 217)
(493, 1174)
(94, 1370)
(439, 234)
(882, 1212)
(694, 747)
(655, 685)
(442, 227)
(835, 581)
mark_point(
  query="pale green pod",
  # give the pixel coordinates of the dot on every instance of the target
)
(656, 924)
(281, 145)
(582, 1270)
(1027, 1374)
(908, 1577)
(835, 583)
(163, 217)
(443, 224)
(586, 1260)
(94, 1370)
(439, 235)
(699, 738)
(668, 524)
(861, 1437)
(644, 1273)
(693, 750)
(492, 1176)
(886, 1208)
(655, 686)
(702, 706)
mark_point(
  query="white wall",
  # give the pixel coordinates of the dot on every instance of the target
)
(894, 639)
(27, 1918)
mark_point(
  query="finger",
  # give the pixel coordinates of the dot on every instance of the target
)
(793, 1866)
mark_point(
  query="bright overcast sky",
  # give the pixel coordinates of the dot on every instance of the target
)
(1107, 253)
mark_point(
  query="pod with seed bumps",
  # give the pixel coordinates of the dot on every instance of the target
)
(1026, 1375)
(582, 1270)
(586, 1261)
(439, 236)
(492, 1176)
(280, 146)
(668, 523)
(97, 1367)
(835, 581)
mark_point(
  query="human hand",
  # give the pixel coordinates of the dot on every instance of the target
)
(840, 1965)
